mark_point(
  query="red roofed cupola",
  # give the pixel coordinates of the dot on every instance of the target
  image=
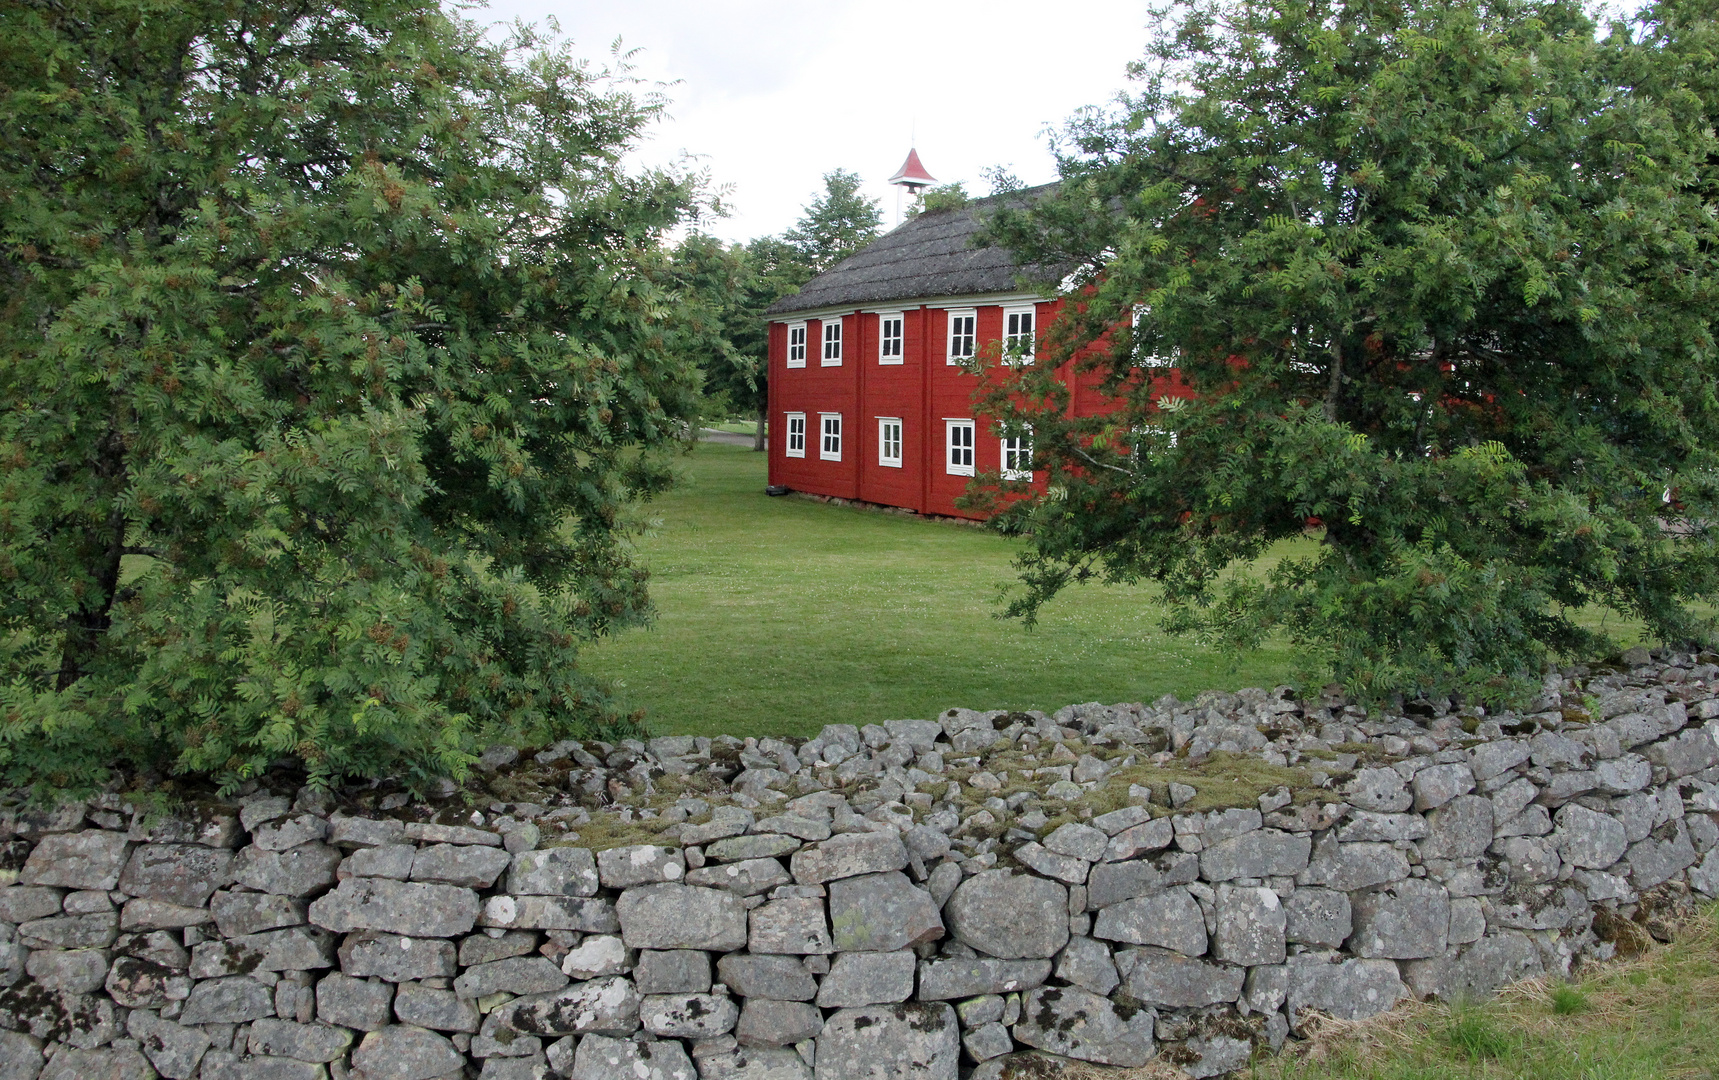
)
(912, 174)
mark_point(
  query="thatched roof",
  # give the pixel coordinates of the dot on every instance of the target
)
(930, 256)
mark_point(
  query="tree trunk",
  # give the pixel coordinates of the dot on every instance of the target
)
(758, 433)
(102, 548)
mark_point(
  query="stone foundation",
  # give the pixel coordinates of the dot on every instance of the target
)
(917, 898)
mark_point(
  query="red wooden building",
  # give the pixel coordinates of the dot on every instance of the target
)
(867, 400)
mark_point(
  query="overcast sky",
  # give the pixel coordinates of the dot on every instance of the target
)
(773, 94)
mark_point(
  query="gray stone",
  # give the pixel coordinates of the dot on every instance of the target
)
(1170, 919)
(516, 975)
(1009, 916)
(303, 1042)
(481, 948)
(588, 915)
(1064, 868)
(1260, 853)
(1170, 979)
(688, 1016)
(673, 916)
(724, 821)
(1495, 961)
(555, 871)
(1110, 883)
(599, 954)
(1214, 1055)
(607, 1006)
(910, 1041)
(410, 908)
(363, 832)
(236, 999)
(794, 825)
(260, 808)
(1345, 989)
(1086, 963)
(1623, 775)
(683, 971)
(73, 971)
(1656, 859)
(398, 1052)
(767, 1023)
(1139, 839)
(640, 864)
(867, 978)
(1078, 841)
(467, 865)
(754, 846)
(1549, 748)
(1075, 1023)
(216, 826)
(1347, 867)
(141, 983)
(98, 1065)
(23, 903)
(748, 877)
(1221, 825)
(881, 913)
(1403, 921)
(793, 924)
(174, 1050)
(1267, 988)
(385, 861)
(954, 978)
(272, 1068)
(20, 1056)
(183, 874)
(987, 1041)
(396, 958)
(1318, 917)
(428, 832)
(1251, 926)
(144, 914)
(1462, 828)
(1467, 920)
(297, 948)
(353, 1003)
(1534, 821)
(926, 842)
(1690, 752)
(753, 1063)
(1530, 858)
(848, 855)
(93, 931)
(289, 832)
(779, 978)
(82, 1020)
(602, 1058)
(1365, 825)
(1382, 790)
(239, 914)
(304, 871)
(91, 859)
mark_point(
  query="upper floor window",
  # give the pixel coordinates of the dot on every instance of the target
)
(889, 441)
(832, 343)
(890, 337)
(1018, 335)
(963, 335)
(796, 434)
(797, 345)
(1145, 354)
(959, 441)
(831, 448)
(1018, 458)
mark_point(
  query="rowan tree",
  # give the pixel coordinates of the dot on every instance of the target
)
(335, 352)
(1439, 280)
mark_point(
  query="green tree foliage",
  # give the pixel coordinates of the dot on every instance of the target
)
(836, 224)
(951, 196)
(1439, 278)
(331, 337)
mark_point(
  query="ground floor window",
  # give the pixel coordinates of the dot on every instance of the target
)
(796, 434)
(1018, 458)
(889, 441)
(960, 442)
(831, 448)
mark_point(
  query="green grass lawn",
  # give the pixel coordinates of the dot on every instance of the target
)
(777, 616)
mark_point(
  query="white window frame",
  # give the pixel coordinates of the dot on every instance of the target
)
(884, 318)
(886, 442)
(1013, 336)
(826, 434)
(826, 341)
(799, 362)
(788, 446)
(1023, 448)
(952, 463)
(970, 340)
(1154, 360)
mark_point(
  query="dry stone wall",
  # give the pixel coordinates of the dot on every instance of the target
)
(919, 898)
